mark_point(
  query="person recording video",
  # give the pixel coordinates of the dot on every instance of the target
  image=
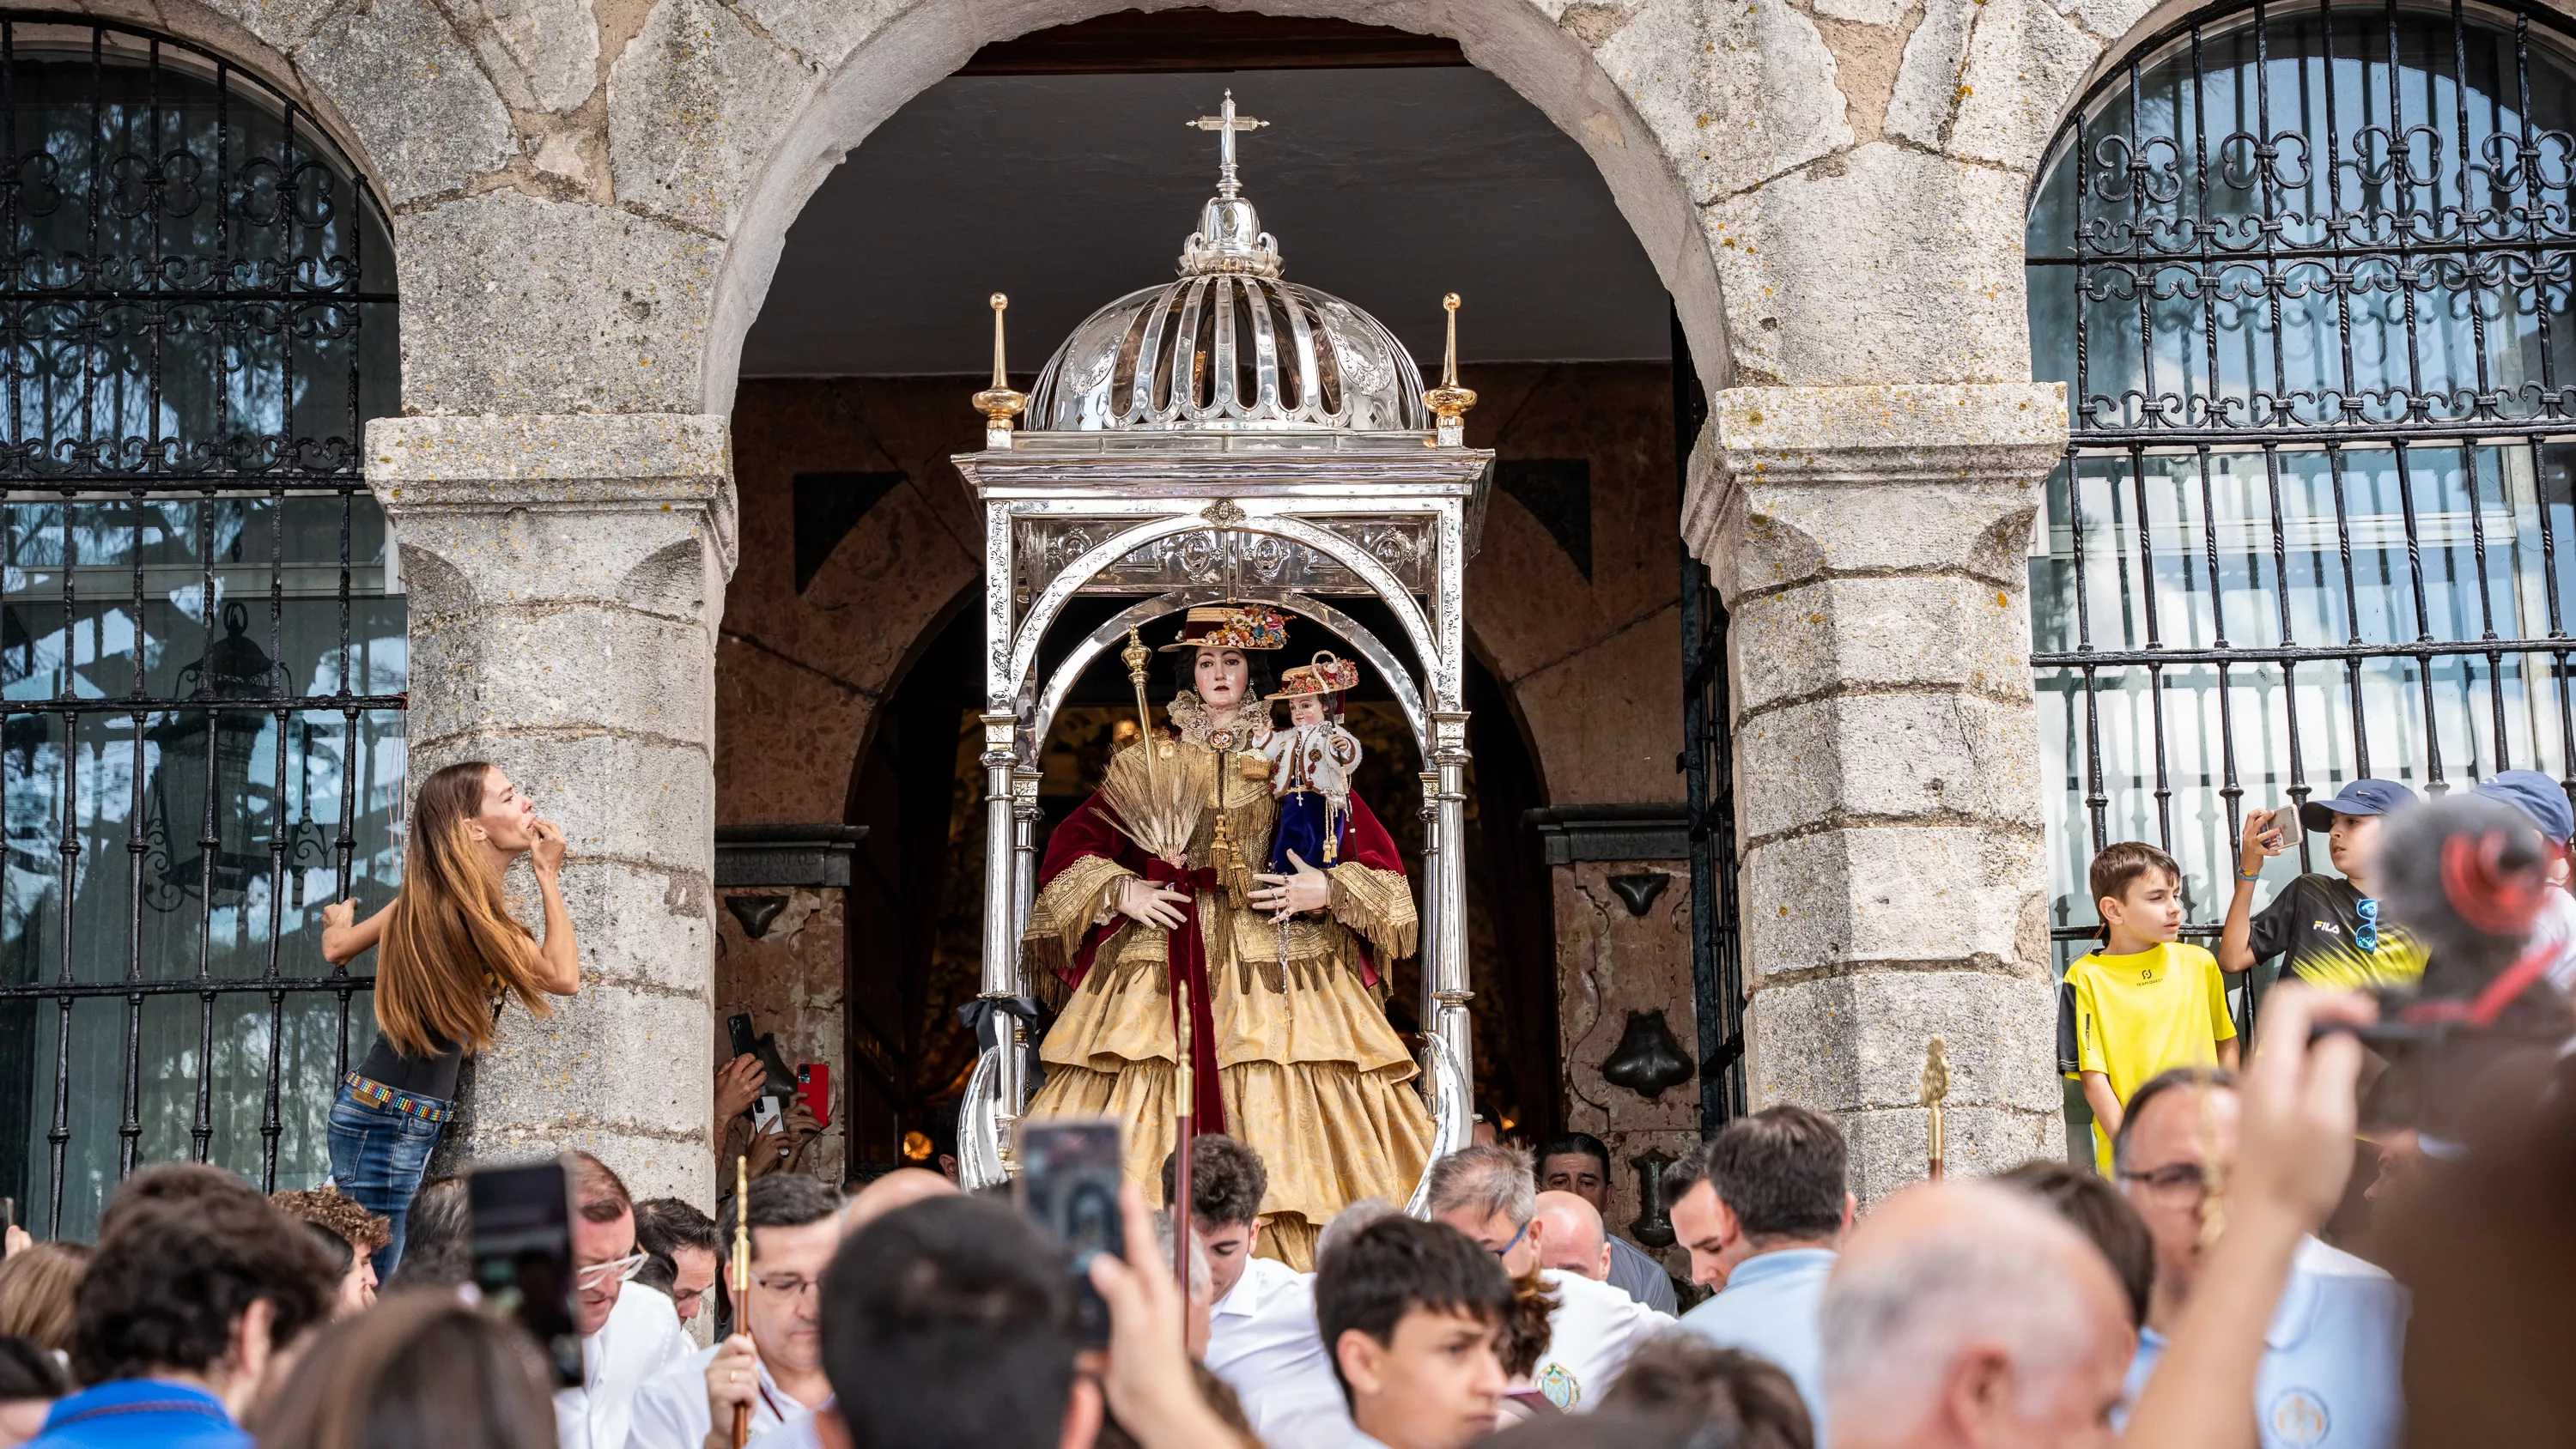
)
(448, 954)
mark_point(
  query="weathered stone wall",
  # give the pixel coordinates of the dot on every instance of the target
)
(1872, 544)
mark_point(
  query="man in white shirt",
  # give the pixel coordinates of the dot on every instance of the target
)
(626, 1337)
(2330, 1374)
(1261, 1330)
(774, 1363)
(1490, 1194)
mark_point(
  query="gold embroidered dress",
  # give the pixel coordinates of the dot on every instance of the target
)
(1308, 1072)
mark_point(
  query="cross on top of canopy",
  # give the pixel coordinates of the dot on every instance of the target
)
(1228, 346)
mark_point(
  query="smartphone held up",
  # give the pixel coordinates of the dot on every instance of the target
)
(1070, 1171)
(523, 1263)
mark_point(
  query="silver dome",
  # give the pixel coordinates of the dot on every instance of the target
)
(1229, 347)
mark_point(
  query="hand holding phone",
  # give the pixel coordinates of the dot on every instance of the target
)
(1070, 1173)
(523, 1266)
(2266, 835)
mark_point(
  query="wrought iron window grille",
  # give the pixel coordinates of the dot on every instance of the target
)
(191, 350)
(2307, 271)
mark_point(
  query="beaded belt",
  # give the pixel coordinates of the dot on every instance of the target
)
(373, 1093)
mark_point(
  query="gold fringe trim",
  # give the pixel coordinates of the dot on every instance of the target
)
(1063, 912)
(1379, 905)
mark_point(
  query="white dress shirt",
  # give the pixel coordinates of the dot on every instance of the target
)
(1589, 1337)
(641, 1335)
(671, 1408)
(1263, 1342)
(796, 1433)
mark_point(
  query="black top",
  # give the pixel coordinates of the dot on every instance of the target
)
(2316, 925)
(430, 1076)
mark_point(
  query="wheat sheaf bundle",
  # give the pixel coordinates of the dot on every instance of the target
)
(1155, 801)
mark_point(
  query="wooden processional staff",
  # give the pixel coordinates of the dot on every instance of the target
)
(739, 1279)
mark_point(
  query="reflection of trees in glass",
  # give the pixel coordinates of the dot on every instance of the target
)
(2274, 278)
(192, 272)
(195, 289)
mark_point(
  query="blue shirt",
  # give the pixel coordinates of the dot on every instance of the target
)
(139, 1413)
(1769, 1308)
(2329, 1378)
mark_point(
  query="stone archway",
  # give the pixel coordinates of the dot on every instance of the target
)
(588, 196)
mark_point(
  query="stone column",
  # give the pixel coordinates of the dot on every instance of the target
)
(1872, 544)
(566, 578)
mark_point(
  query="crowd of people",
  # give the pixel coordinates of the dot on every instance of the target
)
(2177, 1293)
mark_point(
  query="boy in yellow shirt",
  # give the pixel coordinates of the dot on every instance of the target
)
(2143, 1003)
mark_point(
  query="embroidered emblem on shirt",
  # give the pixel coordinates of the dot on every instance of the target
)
(2298, 1417)
(1559, 1387)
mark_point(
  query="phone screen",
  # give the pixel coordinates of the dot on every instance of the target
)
(1069, 1177)
(523, 1267)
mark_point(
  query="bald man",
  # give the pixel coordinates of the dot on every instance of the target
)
(899, 1188)
(1961, 1314)
(1572, 1239)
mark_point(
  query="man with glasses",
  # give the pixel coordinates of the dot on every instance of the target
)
(1490, 1193)
(2329, 1378)
(626, 1337)
(774, 1361)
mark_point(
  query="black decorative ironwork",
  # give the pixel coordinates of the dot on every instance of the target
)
(2306, 269)
(192, 346)
(1708, 772)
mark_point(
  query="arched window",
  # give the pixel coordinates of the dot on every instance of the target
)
(2306, 272)
(201, 660)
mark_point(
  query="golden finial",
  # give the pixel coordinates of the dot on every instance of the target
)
(999, 403)
(1936, 1091)
(1449, 402)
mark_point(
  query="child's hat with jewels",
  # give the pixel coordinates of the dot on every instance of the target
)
(1327, 675)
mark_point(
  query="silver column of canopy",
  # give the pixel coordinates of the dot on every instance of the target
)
(1225, 435)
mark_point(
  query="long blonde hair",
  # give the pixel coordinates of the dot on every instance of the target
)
(450, 944)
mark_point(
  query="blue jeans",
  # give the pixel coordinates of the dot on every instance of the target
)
(378, 1154)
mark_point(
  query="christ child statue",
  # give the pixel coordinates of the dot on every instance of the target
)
(1311, 763)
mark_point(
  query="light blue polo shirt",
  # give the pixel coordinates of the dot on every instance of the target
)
(2330, 1374)
(1769, 1308)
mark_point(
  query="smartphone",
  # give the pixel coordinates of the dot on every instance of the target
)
(814, 1084)
(1069, 1177)
(764, 1114)
(746, 1042)
(523, 1267)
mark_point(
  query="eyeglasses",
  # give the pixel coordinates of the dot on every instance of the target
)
(2365, 938)
(787, 1285)
(1505, 1250)
(615, 1270)
(2172, 1180)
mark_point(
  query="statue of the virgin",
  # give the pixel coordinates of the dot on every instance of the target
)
(1284, 973)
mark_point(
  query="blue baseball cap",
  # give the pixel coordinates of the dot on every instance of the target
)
(2541, 799)
(2361, 797)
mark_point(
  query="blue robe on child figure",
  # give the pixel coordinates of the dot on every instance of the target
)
(1311, 763)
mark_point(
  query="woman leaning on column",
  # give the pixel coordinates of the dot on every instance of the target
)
(448, 954)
